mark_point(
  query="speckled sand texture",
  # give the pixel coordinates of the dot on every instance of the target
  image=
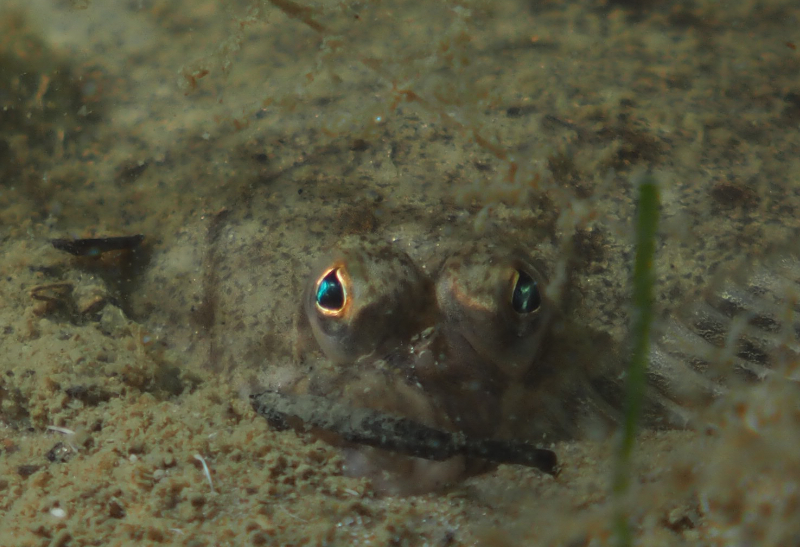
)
(241, 142)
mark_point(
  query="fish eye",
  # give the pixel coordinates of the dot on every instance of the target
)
(525, 297)
(331, 294)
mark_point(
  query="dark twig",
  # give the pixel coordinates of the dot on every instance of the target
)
(374, 428)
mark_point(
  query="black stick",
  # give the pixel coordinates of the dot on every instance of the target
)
(388, 432)
(95, 246)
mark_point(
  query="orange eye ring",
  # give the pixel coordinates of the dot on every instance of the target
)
(331, 296)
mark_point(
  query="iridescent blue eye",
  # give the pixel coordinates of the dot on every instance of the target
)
(331, 295)
(526, 297)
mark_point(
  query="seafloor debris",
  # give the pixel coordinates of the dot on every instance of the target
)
(81, 298)
(51, 296)
(388, 432)
(52, 292)
(95, 246)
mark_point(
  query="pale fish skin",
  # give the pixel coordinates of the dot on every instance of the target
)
(442, 352)
(480, 347)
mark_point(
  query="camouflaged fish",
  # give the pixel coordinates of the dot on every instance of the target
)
(447, 364)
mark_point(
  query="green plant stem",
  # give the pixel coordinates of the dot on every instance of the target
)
(643, 280)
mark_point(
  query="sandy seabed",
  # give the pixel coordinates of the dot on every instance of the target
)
(241, 138)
